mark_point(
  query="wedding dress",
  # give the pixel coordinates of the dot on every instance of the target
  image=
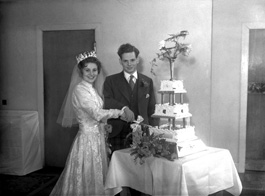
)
(86, 165)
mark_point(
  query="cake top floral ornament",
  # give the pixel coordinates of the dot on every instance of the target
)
(170, 48)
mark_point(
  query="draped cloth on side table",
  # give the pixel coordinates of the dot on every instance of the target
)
(20, 142)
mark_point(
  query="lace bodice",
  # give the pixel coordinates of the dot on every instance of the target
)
(88, 106)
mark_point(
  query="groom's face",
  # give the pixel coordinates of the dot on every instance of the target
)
(129, 62)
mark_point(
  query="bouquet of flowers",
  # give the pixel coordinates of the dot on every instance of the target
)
(146, 145)
(170, 48)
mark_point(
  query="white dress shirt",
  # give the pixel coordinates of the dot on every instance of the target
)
(127, 76)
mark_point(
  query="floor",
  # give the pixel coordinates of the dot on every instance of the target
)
(253, 182)
(48, 189)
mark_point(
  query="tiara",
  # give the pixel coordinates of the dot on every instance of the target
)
(85, 55)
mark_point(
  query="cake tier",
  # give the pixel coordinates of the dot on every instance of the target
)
(187, 133)
(174, 85)
(171, 91)
(185, 140)
(188, 147)
(176, 110)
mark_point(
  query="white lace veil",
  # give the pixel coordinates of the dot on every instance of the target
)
(67, 116)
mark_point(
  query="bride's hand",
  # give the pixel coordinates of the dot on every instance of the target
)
(123, 116)
(129, 115)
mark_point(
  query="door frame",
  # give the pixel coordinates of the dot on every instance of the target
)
(40, 85)
(244, 90)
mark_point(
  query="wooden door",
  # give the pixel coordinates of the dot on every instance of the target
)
(59, 51)
(255, 136)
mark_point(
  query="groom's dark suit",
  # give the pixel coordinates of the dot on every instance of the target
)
(117, 94)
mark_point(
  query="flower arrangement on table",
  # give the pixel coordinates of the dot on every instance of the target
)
(170, 48)
(145, 145)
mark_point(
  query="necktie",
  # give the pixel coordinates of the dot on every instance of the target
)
(131, 82)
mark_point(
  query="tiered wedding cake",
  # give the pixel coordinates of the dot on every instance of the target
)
(183, 135)
(176, 138)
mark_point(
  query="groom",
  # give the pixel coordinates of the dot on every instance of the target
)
(131, 91)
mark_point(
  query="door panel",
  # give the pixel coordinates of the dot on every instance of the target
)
(59, 51)
(255, 145)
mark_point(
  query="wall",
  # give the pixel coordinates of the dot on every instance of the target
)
(142, 23)
(228, 19)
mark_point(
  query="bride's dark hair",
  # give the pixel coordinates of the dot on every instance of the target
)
(95, 60)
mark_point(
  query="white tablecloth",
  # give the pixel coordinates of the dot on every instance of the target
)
(200, 174)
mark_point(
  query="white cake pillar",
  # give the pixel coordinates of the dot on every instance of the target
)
(171, 64)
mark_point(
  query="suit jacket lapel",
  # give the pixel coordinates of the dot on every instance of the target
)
(142, 90)
(122, 86)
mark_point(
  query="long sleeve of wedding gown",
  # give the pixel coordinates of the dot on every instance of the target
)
(86, 100)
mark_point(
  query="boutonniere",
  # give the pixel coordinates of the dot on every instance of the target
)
(147, 95)
(144, 83)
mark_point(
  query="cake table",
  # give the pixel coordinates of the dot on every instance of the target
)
(203, 173)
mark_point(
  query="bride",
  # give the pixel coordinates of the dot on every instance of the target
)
(86, 165)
